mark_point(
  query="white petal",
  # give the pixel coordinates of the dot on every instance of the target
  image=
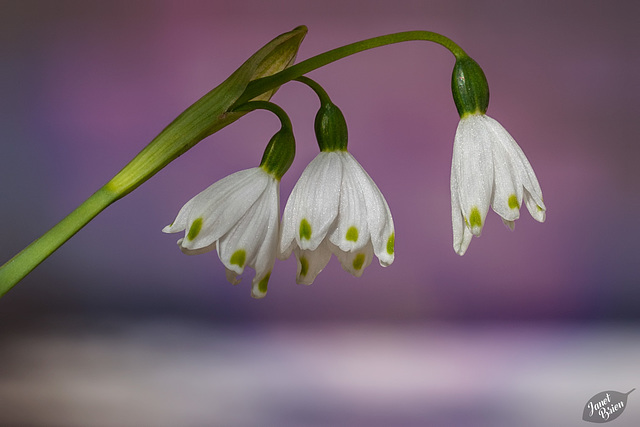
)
(232, 277)
(315, 200)
(355, 262)
(254, 236)
(351, 231)
(519, 162)
(537, 211)
(259, 288)
(180, 223)
(461, 234)
(266, 256)
(219, 207)
(466, 240)
(378, 215)
(507, 189)
(199, 251)
(511, 225)
(473, 165)
(311, 263)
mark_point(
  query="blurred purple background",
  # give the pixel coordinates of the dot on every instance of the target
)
(85, 85)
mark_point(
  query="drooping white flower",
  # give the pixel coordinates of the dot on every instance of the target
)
(335, 207)
(239, 217)
(489, 168)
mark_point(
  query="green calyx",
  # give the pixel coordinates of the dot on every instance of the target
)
(279, 154)
(331, 128)
(469, 86)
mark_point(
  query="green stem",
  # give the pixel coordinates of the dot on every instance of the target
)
(29, 258)
(281, 149)
(264, 84)
(264, 105)
(319, 90)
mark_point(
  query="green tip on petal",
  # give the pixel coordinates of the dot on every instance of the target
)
(238, 258)
(391, 244)
(513, 202)
(304, 266)
(305, 230)
(358, 261)
(195, 228)
(352, 234)
(262, 286)
(475, 219)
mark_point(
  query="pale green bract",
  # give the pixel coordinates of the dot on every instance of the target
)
(239, 217)
(489, 168)
(335, 207)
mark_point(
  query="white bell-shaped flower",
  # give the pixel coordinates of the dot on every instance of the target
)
(489, 168)
(238, 216)
(335, 207)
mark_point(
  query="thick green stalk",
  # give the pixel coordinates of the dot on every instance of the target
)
(30, 257)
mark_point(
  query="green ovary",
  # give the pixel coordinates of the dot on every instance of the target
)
(238, 258)
(358, 261)
(475, 219)
(305, 229)
(352, 234)
(513, 202)
(304, 266)
(195, 228)
(391, 242)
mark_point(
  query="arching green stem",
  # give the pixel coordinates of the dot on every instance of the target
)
(264, 84)
(279, 154)
(319, 90)
(264, 105)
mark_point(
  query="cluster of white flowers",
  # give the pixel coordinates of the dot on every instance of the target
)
(334, 208)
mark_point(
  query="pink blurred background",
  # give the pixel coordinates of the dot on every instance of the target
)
(85, 85)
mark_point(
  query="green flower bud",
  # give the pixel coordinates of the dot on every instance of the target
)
(469, 86)
(210, 113)
(331, 128)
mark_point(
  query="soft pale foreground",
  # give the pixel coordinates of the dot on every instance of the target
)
(167, 373)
